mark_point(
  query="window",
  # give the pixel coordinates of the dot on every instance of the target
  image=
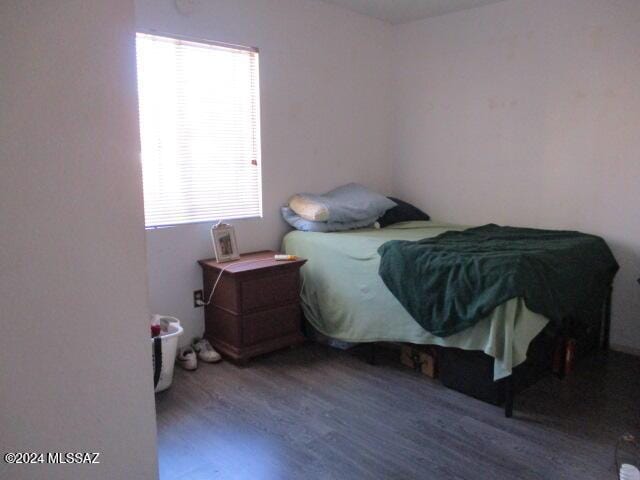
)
(199, 130)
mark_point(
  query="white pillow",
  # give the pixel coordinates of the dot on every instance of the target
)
(345, 204)
(309, 209)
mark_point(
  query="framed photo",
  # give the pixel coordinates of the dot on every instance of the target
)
(224, 241)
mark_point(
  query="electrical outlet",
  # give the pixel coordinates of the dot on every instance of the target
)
(198, 298)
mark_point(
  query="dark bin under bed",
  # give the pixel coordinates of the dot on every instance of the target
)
(471, 372)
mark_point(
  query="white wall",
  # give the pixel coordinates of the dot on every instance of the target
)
(325, 99)
(527, 112)
(75, 369)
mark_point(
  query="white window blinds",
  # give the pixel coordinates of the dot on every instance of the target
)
(199, 130)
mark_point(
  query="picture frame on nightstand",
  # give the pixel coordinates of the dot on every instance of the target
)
(225, 244)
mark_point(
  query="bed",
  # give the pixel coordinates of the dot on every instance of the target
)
(344, 298)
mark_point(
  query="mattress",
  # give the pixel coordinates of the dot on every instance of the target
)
(343, 296)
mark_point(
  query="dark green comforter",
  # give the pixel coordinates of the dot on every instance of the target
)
(449, 282)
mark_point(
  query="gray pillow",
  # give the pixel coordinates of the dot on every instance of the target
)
(300, 223)
(345, 204)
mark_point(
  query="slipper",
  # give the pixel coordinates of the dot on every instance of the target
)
(205, 351)
(187, 359)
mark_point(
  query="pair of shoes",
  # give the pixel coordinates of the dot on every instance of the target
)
(200, 348)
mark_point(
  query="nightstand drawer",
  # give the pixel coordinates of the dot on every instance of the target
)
(268, 324)
(269, 290)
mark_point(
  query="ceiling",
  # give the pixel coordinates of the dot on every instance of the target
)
(401, 11)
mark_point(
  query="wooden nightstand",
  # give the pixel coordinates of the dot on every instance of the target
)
(256, 305)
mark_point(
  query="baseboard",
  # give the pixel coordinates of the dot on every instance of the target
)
(625, 349)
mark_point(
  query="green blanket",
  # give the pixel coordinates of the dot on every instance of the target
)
(450, 282)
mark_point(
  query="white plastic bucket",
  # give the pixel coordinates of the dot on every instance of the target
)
(171, 330)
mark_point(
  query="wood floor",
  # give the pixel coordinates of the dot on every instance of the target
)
(319, 413)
